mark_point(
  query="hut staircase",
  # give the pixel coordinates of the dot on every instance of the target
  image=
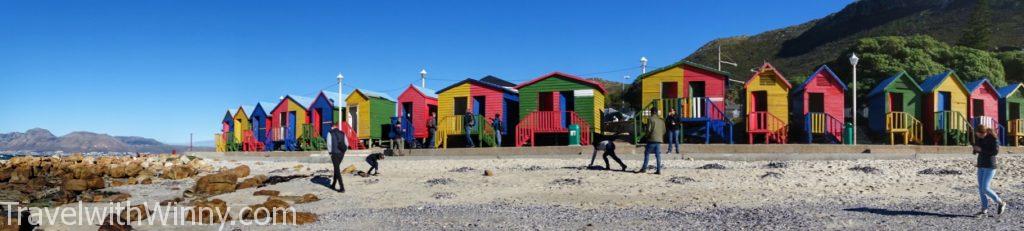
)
(547, 122)
(453, 125)
(1015, 132)
(764, 123)
(310, 140)
(993, 123)
(825, 126)
(698, 116)
(902, 124)
(250, 144)
(951, 127)
(353, 138)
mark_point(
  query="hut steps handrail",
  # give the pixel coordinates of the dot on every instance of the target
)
(549, 121)
(765, 122)
(824, 123)
(453, 125)
(904, 123)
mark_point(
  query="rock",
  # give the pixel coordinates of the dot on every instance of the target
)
(349, 170)
(113, 223)
(251, 182)
(147, 181)
(117, 171)
(309, 197)
(135, 213)
(275, 203)
(95, 182)
(266, 192)
(132, 180)
(241, 171)
(174, 201)
(215, 184)
(21, 174)
(132, 169)
(5, 174)
(297, 218)
(488, 172)
(712, 166)
(179, 172)
(117, 183)
(75, 185)
(214, 211)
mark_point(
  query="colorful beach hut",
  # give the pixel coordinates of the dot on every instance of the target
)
(227, 125)
(286, 122)
(945, 109)
(894, 108)
(695, 92)
(482, 99)
(983, 108)
(819, 104)
(241, 121)
(259, 121)
(415, 106)
(767, 97)
(551, 103)
(371, 114)
(1010, 101)
(322, 112)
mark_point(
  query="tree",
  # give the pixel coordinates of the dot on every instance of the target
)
(1013, 65)
(979, 28)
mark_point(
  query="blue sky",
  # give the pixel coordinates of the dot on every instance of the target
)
(164, 69)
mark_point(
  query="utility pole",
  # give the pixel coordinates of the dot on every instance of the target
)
(720, 61)
(190, 142)
(853, 62)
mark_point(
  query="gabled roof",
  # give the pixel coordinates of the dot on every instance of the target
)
(821, 69)
(303, 101)
(768, 67)
(248, 109)
(569, 77)
(1009, 89)
(331, 96)
(973, 86)
(681, 63)
(261, 106)
(480, 83)
(373, 94)
(229, 115)
(287, 97)
(424, 91)
(892, 79)
(497, 81)
(932, 82)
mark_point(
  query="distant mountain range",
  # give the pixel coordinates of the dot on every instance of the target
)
(41, 140)
(798, 50)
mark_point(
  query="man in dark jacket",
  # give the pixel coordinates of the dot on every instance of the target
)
(339, 144)
(496, 124)
(655, 136)
(672, 122)
(468, 123)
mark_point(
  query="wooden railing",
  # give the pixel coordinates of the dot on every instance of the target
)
(824, 124)
(902, 123)
(250, 144)
(952, 125)
(1015, 130)
(453, 125)
(690, 108)
(767, 124)
(993, 123)
(549, 122)
(353, 139)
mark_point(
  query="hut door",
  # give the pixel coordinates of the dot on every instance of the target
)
(431, 110)
(669, 90)
(895, 102)
(318, 122)
(943, 103)
(546, 101)
(978, 107)
(567, 103)
(407, 110)
(480, 105)
(1014, 111)
(760, 101)
(816, 103)
(354, 112)
(291, 125)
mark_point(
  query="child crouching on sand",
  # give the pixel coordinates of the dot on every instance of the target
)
(608, 146)
(372, 160)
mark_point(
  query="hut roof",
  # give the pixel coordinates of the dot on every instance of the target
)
(821, 69)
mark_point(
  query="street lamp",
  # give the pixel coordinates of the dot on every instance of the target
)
(340, 92)
(643, 65)
(423, 78)
(853, 62)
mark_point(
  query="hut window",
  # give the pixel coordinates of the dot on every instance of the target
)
(767, 81)
(979, 107)
(460, 106)
(896, 102)
(698, 89)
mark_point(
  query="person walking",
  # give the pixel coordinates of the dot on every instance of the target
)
(608, 146)
(672, 122)
(496, 124)
(986, 147)
(338, 147)
(432, 129)
(655, 136)
(468, 122)
(398, 136)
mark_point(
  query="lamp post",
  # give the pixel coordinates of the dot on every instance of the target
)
(853, 62)
(340, 92)
(423, 78)
(643, 65)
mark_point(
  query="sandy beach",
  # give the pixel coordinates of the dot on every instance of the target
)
(560, 193)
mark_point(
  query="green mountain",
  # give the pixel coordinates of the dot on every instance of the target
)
(798, 50)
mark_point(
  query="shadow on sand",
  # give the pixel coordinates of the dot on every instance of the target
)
(886, 212)
(321, 180)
